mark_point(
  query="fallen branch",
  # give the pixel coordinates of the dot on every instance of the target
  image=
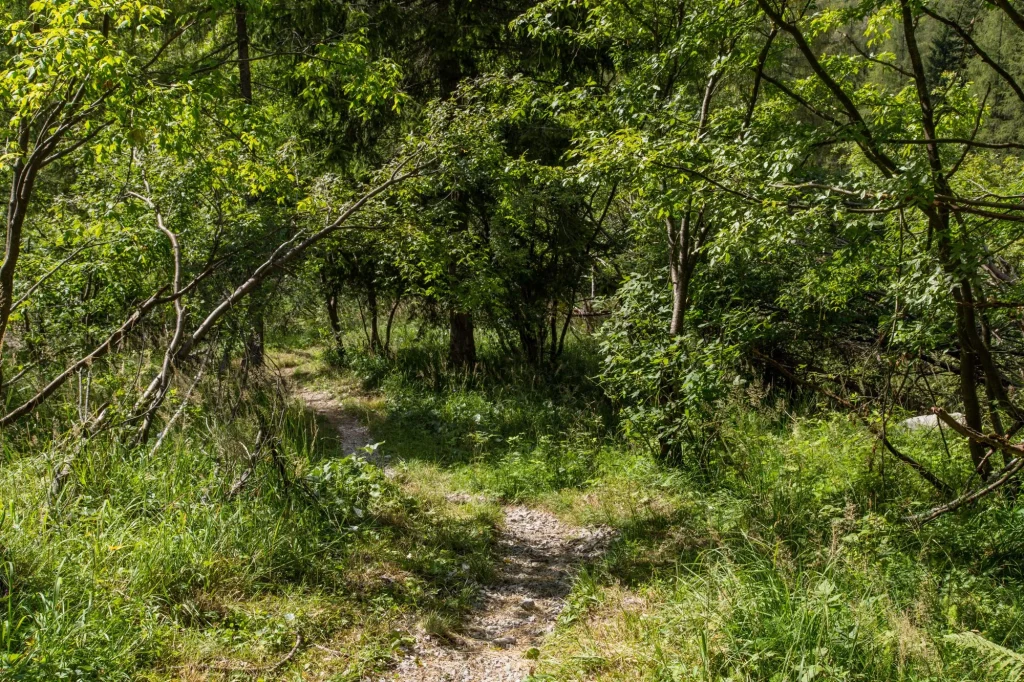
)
(157, 389)
(281, 256)
(179, 412)
(253, 459)
(1002, 477)
(31, 290)
(115, 337)
(285, 253)
(333, 652)
(104, 347)
(13, 380)
(997, 442)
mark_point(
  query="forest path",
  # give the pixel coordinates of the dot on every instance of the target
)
(538, 557)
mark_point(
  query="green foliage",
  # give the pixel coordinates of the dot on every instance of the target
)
(1004, 663)
(667, 389)
(644, 254)
(143, 561)
(791, 566)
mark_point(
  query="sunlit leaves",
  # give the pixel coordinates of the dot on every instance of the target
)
(346, 68)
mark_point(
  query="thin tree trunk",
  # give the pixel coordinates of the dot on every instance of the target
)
(331, 302)
(553, 332)
(22, 182)
(938, 223)
(242, 42)
(254, 348)
(391, 320)
(567, 322)
(371, 303)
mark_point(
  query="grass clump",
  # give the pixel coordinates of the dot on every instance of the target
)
(786, 558)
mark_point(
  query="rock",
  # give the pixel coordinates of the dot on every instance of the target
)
(504, 641)
(927, 421)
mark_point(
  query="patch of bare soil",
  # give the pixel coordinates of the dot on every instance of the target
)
(539, 556)
(353, 435)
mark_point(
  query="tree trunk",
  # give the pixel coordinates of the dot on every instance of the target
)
(331, 302)
(462, 344)
(966, 331)
(391, 320)
(254, 344)
(938, 224)
(22, 182)
(680, 270)
(553, 348)
(531, 342)
(371, 302)
(242, 42)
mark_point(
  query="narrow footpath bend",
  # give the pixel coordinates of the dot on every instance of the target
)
(539, 556)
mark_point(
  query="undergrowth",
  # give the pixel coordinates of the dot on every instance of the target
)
(789, 558)
(163, 564)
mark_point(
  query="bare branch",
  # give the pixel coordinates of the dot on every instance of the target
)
(157, 389)
(1001, 477)
(937, 483)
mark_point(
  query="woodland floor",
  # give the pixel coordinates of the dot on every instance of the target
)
(537, 557)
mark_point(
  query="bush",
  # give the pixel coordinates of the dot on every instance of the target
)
(668, 389)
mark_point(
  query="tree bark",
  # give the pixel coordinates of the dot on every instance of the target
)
(254, 349)
(22, 182)
(331, 303)
(680, 272)
(371, 303)
(242, 43)
(391, 320)
(938, 223)
(462, 343)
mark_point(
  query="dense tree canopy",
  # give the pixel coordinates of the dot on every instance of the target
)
(817, 195)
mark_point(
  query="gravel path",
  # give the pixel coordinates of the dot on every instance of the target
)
(540, 555)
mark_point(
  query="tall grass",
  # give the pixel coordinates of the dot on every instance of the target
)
(143, 564)
(786, 559)
(794, 563)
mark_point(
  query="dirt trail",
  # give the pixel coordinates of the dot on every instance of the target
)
(352, 434)
(539, 556)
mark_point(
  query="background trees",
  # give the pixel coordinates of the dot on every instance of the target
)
(830, 189)
(824, 194)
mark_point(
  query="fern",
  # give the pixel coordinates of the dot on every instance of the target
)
(1006, 663)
